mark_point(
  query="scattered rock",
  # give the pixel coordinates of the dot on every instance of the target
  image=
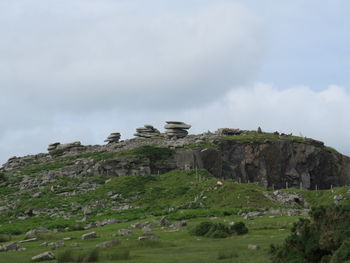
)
(147, 237)
(163, 221)
(178, 224)
(89, 235)
(28, 240)
(34, 232)
(147, 230)
(338, 199)
(44, 256)
(253, 247)
(141, 225)
(124, 232)
(108, 244)
(228, 132)
(11, 247)
(57, 244)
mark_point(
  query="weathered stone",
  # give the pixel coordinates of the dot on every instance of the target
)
(89, 235)
(28, 240)
(147, 230)
(125, 232)
(253, 247)
(108, 244)
(44, 256)
(13, 246)
(147, 237)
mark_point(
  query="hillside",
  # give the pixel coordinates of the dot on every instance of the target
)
(223, 178)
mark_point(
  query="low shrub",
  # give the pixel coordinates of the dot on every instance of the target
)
(218, 230)
(239, 228)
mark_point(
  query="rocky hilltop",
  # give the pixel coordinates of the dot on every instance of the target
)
(272, 160)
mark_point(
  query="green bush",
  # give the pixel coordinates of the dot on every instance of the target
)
(323, 238)
(342, 254)
(239, 228)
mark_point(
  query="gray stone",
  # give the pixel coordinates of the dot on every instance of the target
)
(125, 232)
(253, 247)
(89, 235)
(147, 230)
(147, 237)
(44, 256)
(28, 240)
(13, 246)
(108, 244)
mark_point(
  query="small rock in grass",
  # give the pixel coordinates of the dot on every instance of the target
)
(253, 247)
(89, 235)
(124, 232)
(108, 244)
(147, 237)
(44, 256)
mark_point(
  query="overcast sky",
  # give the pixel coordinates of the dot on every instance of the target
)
(80, 69)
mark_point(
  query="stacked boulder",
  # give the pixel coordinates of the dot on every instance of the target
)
(147, 131)
(66, 146)
(176, 129)
(114, 137)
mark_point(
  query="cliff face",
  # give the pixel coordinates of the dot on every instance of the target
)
(270, 160)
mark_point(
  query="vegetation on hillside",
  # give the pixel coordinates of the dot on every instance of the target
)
(322, 238)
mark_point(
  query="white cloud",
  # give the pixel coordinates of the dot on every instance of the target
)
(319, 114)
(67, 61)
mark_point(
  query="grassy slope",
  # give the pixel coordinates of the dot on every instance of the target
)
(192, 195)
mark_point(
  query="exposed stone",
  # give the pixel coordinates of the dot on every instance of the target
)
(176, 129)
(147, 237)
(13, 246)
(108, 244)
(89, 235)
(28, 240)
(113, 138)
(179, 224)
(125, 232)
(44, 256)
(253, 247)
(140, 225)
(228, 132)
(147, 230)
(148, 131)
(34, 232)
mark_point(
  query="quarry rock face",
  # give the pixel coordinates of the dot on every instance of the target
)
(275, 161)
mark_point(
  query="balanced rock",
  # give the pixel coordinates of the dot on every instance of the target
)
(114, 137)
(176, 129)
(147, 131)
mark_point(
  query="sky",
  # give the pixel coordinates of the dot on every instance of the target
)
(77, 70)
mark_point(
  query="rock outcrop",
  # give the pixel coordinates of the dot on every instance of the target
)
(273, 160)
(176, 129)
(148, 131)
(114, 137)
(64, 147)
